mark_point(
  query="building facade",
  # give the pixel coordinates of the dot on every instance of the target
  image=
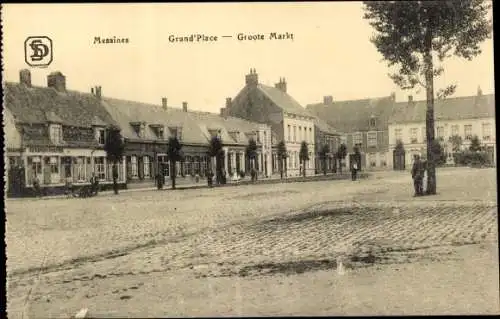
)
(465, 117)
(288, 120)
(326, 135)
(58, 136)
(364, 124)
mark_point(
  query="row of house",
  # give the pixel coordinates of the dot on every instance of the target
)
(376, 125)
(57, 134)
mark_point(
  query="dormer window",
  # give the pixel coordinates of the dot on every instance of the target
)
(139, 128)
(55, 133)
(101, 136)
(373, 121)
(159, 130)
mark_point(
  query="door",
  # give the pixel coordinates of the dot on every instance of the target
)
(399, 161)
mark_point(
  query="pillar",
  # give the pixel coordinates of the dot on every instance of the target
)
(124, 169)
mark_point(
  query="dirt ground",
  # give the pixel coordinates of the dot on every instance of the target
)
(261, 250)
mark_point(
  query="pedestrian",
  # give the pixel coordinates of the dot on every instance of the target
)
(210, 176)
(417, 174)
(354, 171)
(115, 179)
(36, 186)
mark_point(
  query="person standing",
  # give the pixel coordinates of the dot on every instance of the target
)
(354, 171)
(36, 186)
(417, 174)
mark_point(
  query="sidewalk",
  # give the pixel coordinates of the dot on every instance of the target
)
(183, 184)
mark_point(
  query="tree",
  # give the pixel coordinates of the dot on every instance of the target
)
(438, 153)
(115, 148)
(282, 155)
(475, 144)
(174, 154)
(400, 148)
(215, 150)
(456, 143)
(323, 155)
(341, 154)
(304, 156)
(412, 34)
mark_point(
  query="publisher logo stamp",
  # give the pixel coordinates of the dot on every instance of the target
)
(38, 51)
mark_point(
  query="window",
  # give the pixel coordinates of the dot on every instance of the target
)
(383, 161)
(265, 138)
(486, 131)
(142, 130)
(133, 166)
(311, 137)
(147, 166)
(424, 134)
(36, 168)
(414, 135)
(357, 138)
(289, 136)
(55, 133)
(101, 136)
(454, 130)
(372, 139)
(54, 165)
(301, 137)
(80, 169)
(398, 134)
(161, 133)
(440, 132)
(100, 171)
(468, 132)
(295, 133)
(373, 122)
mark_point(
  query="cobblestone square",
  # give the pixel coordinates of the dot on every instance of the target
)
(237, 250)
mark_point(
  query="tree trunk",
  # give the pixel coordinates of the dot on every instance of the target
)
(304, 168)
(115, 178)
(429, 120)
(340, 166)
(173, 173)
(281, 168)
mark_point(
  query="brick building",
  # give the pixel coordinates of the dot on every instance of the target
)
(364, 123)
(55, 134)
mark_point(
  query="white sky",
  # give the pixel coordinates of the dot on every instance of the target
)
(331, 53)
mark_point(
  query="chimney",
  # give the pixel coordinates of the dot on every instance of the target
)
(328, 100)
(410, 98)
(185, 106)
(252, 78)
(164, 103)
(57, 81)
(281, 85)
(25, 77)
(98, 92)
(479, 91)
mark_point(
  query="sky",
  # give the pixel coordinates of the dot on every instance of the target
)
(330, 54)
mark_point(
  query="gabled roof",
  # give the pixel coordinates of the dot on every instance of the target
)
(32, 105)
(323, 126)
(283, 100)
(127, 112)
(354, 115)
(458, 108)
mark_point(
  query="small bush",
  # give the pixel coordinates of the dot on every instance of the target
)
(468, 158)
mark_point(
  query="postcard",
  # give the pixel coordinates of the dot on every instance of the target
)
(249, 159)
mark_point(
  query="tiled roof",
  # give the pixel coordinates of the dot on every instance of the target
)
(31, 105)
(283, 100)
(127, 112)
(227, 125)
(12, 137)
(458, 108)
(323, 126)
(354, 115)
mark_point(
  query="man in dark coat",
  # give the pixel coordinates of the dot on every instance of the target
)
(417, 173)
